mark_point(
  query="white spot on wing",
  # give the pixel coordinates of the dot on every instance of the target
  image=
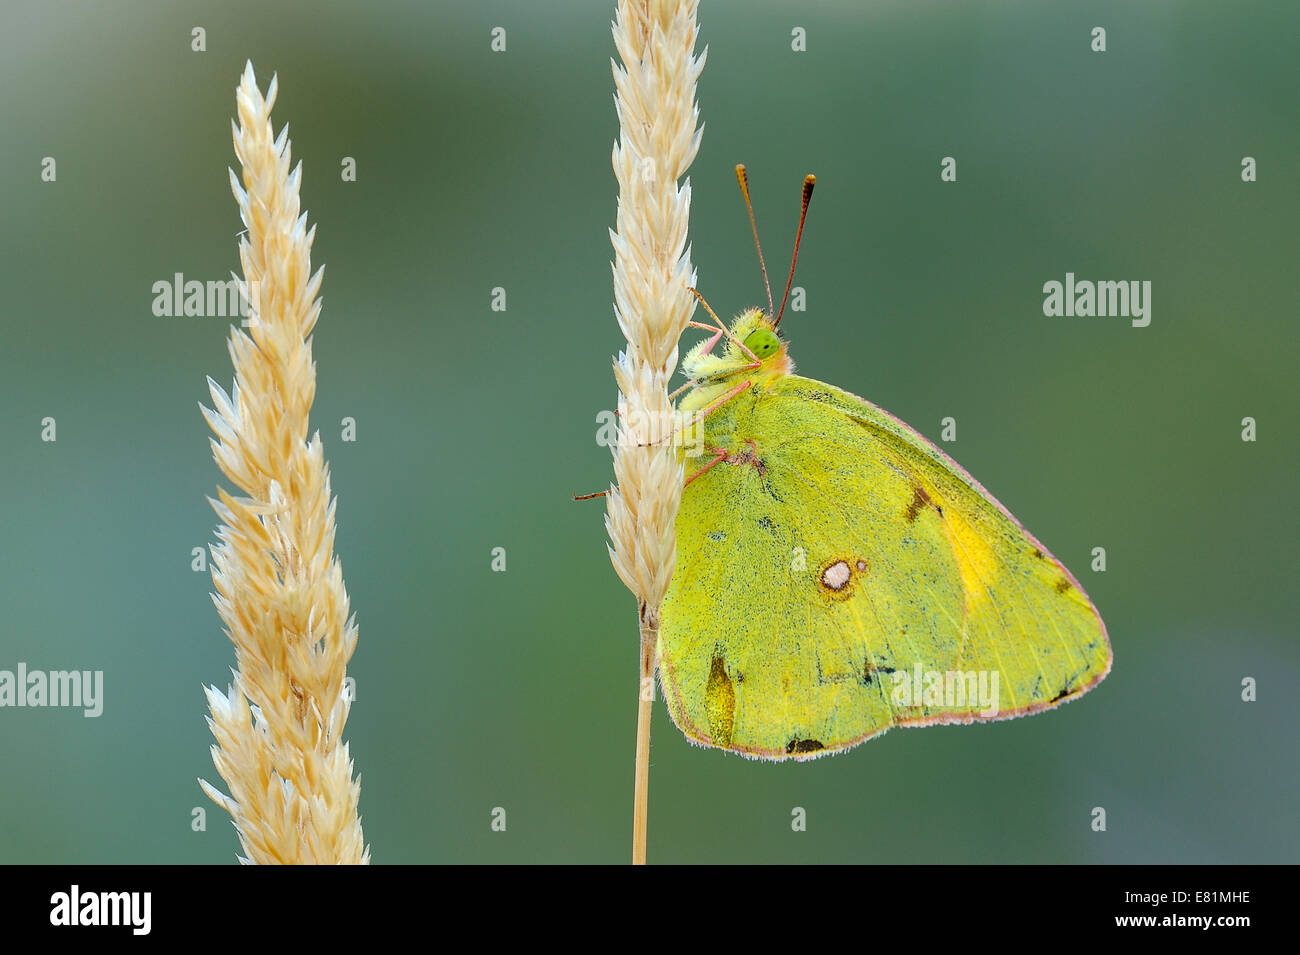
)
(836, 575)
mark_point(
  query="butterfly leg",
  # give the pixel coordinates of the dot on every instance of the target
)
(708, 348)
(721, 329)
(722, 455)
(717, 337)
(703, 413)
(718, 403)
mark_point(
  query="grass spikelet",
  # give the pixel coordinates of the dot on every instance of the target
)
(655, 81)
(279, 587)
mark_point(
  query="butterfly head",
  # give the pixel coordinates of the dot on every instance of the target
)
(751, 346)
(752, 338)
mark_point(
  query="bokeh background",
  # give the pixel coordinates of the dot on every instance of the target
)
(479, 169)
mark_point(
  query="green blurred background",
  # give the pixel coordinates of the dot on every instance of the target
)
(479, 169)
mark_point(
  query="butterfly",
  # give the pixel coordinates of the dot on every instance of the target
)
(838, 575)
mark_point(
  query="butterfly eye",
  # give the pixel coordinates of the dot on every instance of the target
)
(762, 342)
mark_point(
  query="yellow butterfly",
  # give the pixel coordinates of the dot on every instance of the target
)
(837, 574)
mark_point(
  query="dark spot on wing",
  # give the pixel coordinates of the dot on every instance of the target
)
(870, 669)
(797, 745)
(819, 396)
(717, 535)
(1062, 585)
(1038, 553)
(1060, 696)
(765, 523)
(920, 499)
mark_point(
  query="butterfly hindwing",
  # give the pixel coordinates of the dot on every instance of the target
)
(837, 575)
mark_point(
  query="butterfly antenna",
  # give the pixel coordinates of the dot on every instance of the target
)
(808, 183)
(742, 177)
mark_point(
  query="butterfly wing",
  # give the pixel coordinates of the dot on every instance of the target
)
(838, 575)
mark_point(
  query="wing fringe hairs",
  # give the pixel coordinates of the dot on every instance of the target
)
(279, 587)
